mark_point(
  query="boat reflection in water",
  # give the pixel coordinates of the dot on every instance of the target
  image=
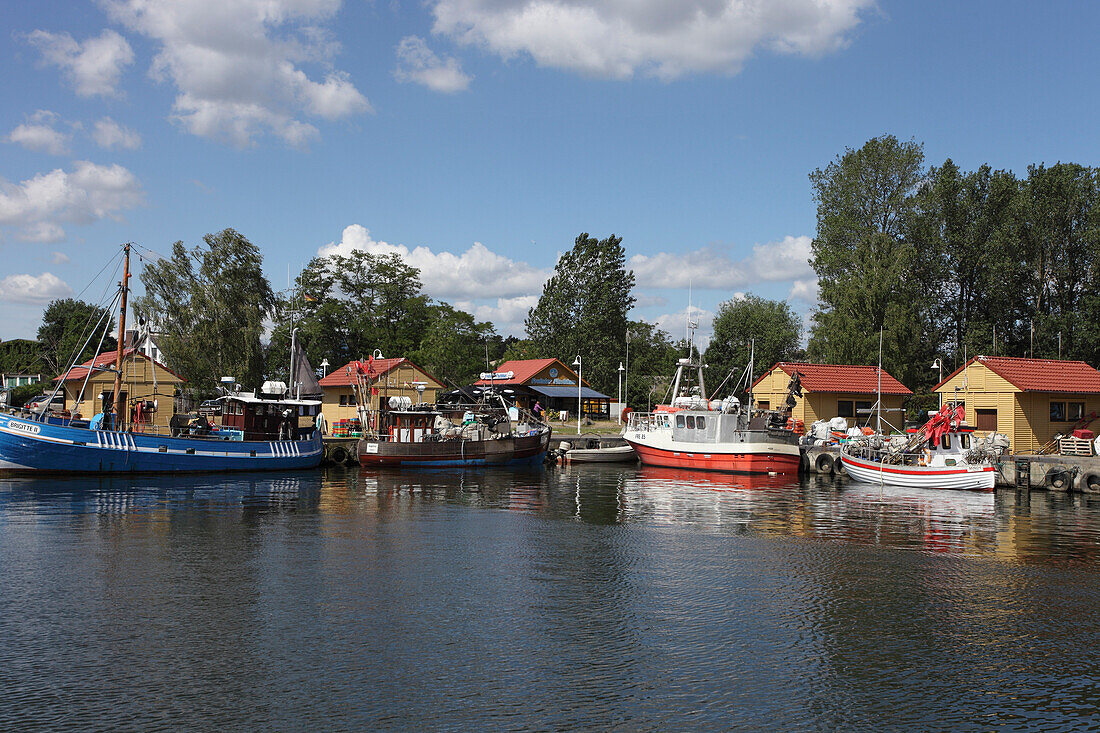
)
(161, 495)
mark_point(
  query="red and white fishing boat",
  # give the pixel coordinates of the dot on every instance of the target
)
(944, 454)
(712, 435)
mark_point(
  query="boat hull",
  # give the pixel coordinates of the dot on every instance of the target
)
(510, 451)
(966, 478)
(32, 447)
(616, 454)
(749, 458)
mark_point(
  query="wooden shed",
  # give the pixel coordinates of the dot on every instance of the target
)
(833, 390)
(397, 377)
(143, 380)
(1029, 400)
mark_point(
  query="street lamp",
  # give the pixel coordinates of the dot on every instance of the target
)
(577, 363)
(621, 370)
(324, 368)
(937, 364)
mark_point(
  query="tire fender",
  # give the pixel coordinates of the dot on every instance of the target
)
(824, 463)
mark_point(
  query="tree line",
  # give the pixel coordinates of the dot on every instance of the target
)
(945, 262)
(952, 263)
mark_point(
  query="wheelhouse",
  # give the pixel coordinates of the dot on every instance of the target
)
(269, 419)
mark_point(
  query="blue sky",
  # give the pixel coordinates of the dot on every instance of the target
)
(479, 137)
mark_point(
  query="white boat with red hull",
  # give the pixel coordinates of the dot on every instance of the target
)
(713, 435)
(943, 454)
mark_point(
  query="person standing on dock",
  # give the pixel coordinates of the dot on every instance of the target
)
(537, 411)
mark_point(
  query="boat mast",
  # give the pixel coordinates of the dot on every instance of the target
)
(121, 338)
(878, 402)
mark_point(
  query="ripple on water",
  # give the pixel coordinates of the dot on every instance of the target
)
(586, 597)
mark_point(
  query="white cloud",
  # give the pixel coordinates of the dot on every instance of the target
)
(663, 38)
(109, 134)
(40, 135)
(235, 64)
(33, 290)
(675, 324)
(805, 291)
(506, 314)
(711, 268)
(93, 67)
(38, 206)
(477, 273)
(59, 258)
(418, 63)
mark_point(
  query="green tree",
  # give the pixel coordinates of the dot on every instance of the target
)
(66, 325)
(1060, 239)
(869, 273)
(454, 345)
(583, 309)
(209, 305)
(966, 234)
(22, 356)
(772, 324)
(652, 362)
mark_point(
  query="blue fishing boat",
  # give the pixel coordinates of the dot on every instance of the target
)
(258, 431)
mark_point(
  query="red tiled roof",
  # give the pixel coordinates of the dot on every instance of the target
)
(841, 378)
(1038, 375)
(524, 369)
(345, 375)
(107, 359)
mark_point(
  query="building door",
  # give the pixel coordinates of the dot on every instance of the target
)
(986, 420)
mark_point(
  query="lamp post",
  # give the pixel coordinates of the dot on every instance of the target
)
(938, 364)
(621, 370)
(577, 363)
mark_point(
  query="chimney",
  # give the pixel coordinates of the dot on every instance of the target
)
(129, 339)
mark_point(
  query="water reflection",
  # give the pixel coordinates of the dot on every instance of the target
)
(576, 597)
(1036, 526)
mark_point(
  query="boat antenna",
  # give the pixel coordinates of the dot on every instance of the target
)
(124, 287)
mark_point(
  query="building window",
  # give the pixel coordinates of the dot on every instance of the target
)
(1075, 411)
(845, 408)
(764, 404)
(1057, 411)
(863, 408)
(343, 400)
(986, 420)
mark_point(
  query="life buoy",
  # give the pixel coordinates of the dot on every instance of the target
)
(824, 464)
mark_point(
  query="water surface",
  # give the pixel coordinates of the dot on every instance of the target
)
(588, 597)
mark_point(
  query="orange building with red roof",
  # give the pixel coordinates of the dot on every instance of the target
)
(1029, 400)
(396, 377)
(833, 390)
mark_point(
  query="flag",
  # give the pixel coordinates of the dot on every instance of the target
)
(308, 298)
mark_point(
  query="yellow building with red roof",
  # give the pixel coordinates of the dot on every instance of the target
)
(396, 377)
(90, 386)
(1029, 400)
(833, 390)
